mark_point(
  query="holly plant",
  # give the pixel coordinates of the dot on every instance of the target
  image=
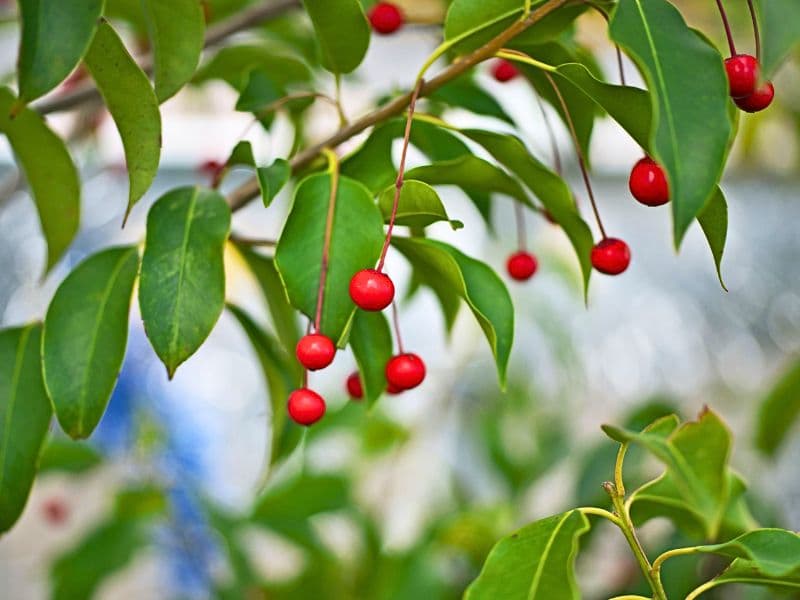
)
(325, 279)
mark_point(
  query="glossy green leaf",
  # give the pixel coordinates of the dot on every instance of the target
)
(270, 179)
(67, 456)
(50, 172)
(176, 29)
(356, 242)
(419, 206)
(466, 93)
(342, 32)
(749, 572)
(55, 36)
(775, 552)
(182, 288)
(714, 221)
(449, 300)
(371, 341)
(536, 562)
(234, 65)
(133, 105)
(85, 335)
(24, 416)
(779, 21)
(689, 89)
(259, 92)
(779, 411)
(552, 191)
(476, 283)
(282, 376)
(284, 317)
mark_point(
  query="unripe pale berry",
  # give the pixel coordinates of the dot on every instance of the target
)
(522, 265)
(305, 406)
(315, 351)
(371, 290)
(648, 183)
(611, 256)
(405, 371)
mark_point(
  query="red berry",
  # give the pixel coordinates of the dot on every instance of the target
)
(385, 18)
(742, 72)
(522, 266)
(315, 351)
(405, 371)
(393, 389)
(55, 511)
(758, 100)
(213, 170)
(648, 184)
(305, 406)
(354, 387)
(504, 70)
(371, 290)
(611, 256)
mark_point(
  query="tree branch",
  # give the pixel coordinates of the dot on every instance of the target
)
(249, 189)
(246, 19)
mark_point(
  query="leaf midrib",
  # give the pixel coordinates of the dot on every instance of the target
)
(21, 346)
(540, 567)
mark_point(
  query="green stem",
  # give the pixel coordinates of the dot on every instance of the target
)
(600, 512)
(515, 56)
(702, 589)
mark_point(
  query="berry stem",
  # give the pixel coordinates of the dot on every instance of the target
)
(398, 184)
(333, 169)
(396, 321)
(727, 26)
(519, 214)
(620, 65)
(552, 135)
(756, 32)
(579, 152)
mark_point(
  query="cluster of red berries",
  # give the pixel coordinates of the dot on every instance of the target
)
(385, 18)
(746, 88)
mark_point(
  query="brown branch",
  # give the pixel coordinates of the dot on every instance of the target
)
(249, 189)
(214, 35)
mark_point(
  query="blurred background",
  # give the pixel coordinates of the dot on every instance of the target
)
(406, 500)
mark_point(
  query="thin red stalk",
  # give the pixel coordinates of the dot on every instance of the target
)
(398, 185)
(326, 246)
(519, 215)
(756, 32)
(552, 135)
(727, 26)
(396, 321)
(579, 152)
(619, 65)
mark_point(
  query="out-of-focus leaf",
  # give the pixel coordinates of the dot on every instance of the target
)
(774, 552)
(271, 179)
(133, 105)
(714, 221)
(749, 572)
(85, 335)
(371, 341)
(182, 289)
(24, 417)
(779, 21)
(689, 91)
(176, 29)
(779, 411)
(419, 206)
(535, 562)
(55, 36)
(61, 455)
(51, 174)
(342, 32)
(234, 64)
(356, 242)
(467, 94)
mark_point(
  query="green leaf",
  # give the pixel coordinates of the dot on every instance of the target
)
(234, 65)
(689, 89)
(85, 334)
(749, 572)
(259, 92)
(535, 562)
(714, 221)
(282, 376)
(133, 106)
(418, 207)
(182, 289)
(55, 36)
(476, 283)
(176, 29)
(50, 172)
(342, 32)
(775, 552)
(356, 242)
(24, 415)
(779, 411)
(371, 341)
(463, 92)
(551, 190)
(779, 21)
(271, 179)
(66, 456)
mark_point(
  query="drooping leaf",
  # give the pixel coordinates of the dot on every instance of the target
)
(536, 562)
(55, 36)
(465, 93)
(67, 456)
(85, 334)
(24, 418)
(371, 341)
(282, 376)
(356, 241)
(270, 179)
(182, 288)
(342, 32)
(691, 123)
(176, 29)
(551, 190)
(50, 172)
(419, 206)
(133, 105)
(714, 221)
(476, 283)
(779, 411)
(234, 64)
(779, 21)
